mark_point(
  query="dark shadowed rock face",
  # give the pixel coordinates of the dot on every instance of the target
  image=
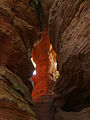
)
(17, 36)
(43, 107)
(15, 98)
(69, 23)
(69, 28)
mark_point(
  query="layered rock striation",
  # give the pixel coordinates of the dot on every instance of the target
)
(69, 27)
(15, 98)
(17, 36)
(21, 25)
(69, 34)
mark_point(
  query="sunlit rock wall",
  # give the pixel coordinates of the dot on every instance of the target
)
(46, 70)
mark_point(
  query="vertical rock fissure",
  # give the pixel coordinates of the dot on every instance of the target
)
(36, 4)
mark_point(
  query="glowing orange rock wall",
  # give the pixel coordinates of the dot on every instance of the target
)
(45, 58)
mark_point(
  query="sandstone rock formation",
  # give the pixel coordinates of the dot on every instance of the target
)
(17, 36)
(15, 97)
(46, 70)
(69, 34)
(16, 39)
(21, 26)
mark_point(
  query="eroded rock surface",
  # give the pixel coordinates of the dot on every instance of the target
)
(69, 22)
(46, 70)
(17, 36)
(69, 26)
(15, 98)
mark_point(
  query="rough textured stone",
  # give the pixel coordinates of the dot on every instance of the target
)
(69, 23)
(46, 71)
(82, 115)
(17, 36)
(43, 108)
(69, 34)
(15, 97)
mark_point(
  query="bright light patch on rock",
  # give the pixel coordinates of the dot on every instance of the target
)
(33, 62)
(34, 73)
(56, 64)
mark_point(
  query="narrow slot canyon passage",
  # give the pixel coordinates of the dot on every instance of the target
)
(45, 75)
(44, 59)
